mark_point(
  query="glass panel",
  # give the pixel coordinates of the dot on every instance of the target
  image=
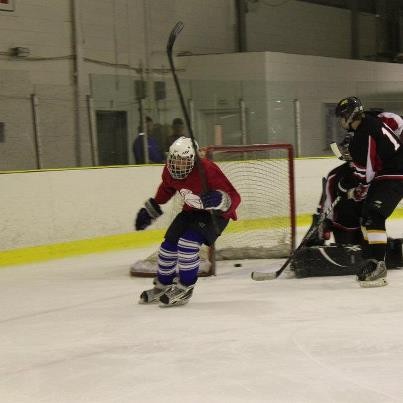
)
(45, 135)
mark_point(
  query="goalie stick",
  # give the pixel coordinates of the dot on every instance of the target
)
(259, 276)
(171, 40)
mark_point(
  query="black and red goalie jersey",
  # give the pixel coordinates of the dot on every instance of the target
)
(376, 152)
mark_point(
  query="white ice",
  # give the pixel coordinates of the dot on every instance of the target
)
(71, 331)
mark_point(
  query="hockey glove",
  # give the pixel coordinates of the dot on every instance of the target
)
(147, 214)
(216, 200)
(342, 189)
(358, 193)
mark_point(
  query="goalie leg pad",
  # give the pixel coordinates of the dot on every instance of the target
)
(332, 260)
(341, 260)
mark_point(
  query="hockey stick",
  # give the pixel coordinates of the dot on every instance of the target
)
(258, 276)
(171, 40)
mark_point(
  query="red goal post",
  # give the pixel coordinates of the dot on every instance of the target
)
(263, 174)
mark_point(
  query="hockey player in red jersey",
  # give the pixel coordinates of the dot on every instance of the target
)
(377, 180)
(193, 226)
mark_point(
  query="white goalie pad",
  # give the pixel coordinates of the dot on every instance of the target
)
(148, 266)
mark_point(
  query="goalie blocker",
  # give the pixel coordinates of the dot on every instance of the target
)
(340, 260)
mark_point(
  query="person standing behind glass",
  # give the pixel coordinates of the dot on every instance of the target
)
(155, 155)
(178, 130)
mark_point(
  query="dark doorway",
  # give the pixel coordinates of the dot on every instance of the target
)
(112, 137)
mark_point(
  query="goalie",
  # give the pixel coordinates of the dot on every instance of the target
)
(195, 225)
(345, 255)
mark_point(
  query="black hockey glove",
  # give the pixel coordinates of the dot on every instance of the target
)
(216, 200)
(358, 193)
(341, 189)
(344, 185)
(147, 214)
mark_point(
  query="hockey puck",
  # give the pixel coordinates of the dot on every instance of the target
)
(237, 264)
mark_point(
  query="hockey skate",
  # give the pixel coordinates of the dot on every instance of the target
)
(179, 294)
(372, 274)
(152, 296)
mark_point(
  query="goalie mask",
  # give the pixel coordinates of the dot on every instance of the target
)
(348, 110)
(181, 158)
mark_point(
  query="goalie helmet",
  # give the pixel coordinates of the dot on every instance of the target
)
(349, 109)
(181, 158)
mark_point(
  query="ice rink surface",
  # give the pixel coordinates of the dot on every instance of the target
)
(71, 331)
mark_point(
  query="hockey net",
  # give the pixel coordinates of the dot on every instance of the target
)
(264, 176)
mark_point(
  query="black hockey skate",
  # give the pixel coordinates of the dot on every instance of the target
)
(152, 296)
(372, 274)
(179, 294)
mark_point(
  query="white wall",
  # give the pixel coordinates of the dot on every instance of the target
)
(310, 29)
(312, 80)
(47, 207)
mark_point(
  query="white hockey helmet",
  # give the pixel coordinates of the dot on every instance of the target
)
(181, 158)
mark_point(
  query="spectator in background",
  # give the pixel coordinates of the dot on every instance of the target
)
(155, 155)
(178, 130)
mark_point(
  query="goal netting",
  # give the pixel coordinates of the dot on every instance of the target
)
(264, 176)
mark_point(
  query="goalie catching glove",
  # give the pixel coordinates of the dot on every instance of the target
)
(147, 214)
(216, 200)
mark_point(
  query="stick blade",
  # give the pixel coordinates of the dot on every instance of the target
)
(258, 276)
(174, 33)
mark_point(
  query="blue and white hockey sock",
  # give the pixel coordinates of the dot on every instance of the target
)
(167, 259)
(188, 257)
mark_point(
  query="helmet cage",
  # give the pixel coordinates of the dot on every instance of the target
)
(181, 158)
(179, 167)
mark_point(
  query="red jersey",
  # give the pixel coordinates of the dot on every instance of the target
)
(190, 188)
